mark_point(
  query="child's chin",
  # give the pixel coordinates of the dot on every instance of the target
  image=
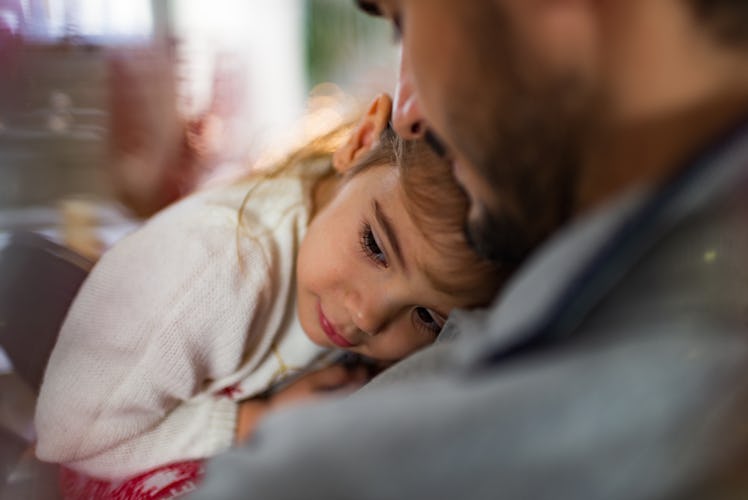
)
(318, 339)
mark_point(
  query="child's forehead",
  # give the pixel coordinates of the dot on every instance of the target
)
(379, 181)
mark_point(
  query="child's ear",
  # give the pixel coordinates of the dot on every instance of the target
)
(365, 135)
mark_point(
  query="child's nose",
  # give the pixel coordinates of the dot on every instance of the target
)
(367, 311)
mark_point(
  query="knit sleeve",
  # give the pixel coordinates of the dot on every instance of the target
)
(165, 313)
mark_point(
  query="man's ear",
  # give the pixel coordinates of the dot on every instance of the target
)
(365, 135)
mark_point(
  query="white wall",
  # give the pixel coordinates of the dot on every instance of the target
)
(263, 39)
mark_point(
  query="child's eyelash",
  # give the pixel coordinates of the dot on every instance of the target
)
(426, 321)
(369, 245)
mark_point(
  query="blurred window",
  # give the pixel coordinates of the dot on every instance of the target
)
(95, 21)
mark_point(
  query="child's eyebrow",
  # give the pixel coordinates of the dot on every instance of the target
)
(389, 229)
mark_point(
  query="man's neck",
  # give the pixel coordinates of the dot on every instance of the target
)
(648, 152)
(671, 89)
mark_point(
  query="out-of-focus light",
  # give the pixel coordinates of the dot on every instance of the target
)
(92, 20)
(9, 21)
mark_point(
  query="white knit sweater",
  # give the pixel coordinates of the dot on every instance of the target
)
(173, 315)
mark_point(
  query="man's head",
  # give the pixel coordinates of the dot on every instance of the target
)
(515, 89)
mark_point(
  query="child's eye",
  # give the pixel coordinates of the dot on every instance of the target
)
(370, 246)
(428, 319)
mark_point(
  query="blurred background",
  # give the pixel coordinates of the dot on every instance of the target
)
(114, 108)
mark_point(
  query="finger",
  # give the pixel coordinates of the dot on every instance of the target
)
(359, 374)
(315, 381)
(329, 377)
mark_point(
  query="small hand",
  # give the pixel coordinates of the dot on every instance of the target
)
(332, 380)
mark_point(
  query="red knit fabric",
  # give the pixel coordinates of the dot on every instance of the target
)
(169, 481)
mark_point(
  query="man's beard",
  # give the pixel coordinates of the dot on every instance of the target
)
(531, 160)
(520, 125)
(497, 237)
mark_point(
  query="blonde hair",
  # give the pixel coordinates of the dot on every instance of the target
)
(318, 149)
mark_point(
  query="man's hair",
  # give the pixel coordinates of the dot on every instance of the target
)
(727, 20)
(368, 7)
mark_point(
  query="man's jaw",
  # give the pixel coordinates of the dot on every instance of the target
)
(436, 144)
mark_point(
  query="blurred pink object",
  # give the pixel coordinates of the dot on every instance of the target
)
(159, 155)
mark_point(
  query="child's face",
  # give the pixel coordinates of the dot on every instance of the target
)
(361, 272)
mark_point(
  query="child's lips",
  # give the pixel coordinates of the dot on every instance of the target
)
(331, 332)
